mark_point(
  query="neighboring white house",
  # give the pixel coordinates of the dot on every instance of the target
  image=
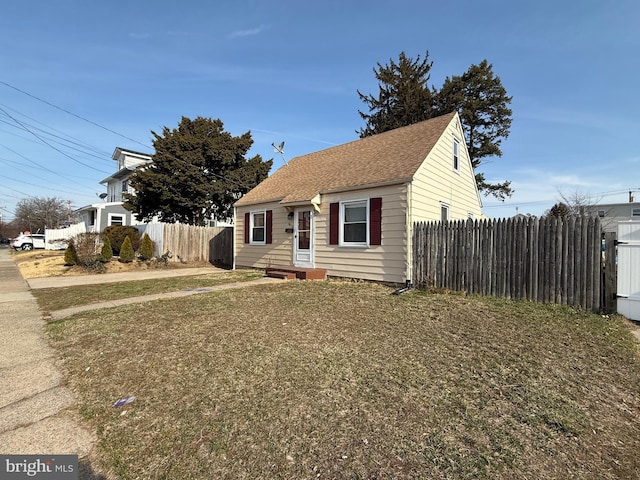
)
(111, 211)
(98, 216)
(612, 213)
(350, 209)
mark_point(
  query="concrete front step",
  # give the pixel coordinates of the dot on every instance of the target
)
(280, 274)
(301, 273)
(36, 408)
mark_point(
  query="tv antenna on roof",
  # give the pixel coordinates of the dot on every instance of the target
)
(279, 149)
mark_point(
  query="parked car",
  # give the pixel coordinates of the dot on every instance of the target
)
(28, 241)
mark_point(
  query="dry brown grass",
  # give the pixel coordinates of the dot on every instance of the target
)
(343, 380)
(50, 263)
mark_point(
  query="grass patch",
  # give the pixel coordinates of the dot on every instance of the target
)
(51, 299)
(344, 380)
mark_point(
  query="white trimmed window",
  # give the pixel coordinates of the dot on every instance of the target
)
(444, 212)
(635, 212)
(258, 228)
(456, 154)
(116, 219)
(354, 223)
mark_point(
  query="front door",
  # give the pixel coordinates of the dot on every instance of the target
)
(303, 238)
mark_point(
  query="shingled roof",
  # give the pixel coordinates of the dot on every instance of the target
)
(385, 158)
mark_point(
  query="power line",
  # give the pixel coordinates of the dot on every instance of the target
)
(72, 114)
(48, 144)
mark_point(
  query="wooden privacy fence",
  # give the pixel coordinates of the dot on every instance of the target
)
(546, 260)
(188, 243)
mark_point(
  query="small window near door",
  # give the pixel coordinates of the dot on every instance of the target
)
(258, 230)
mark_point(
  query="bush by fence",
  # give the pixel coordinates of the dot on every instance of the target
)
(547, 260)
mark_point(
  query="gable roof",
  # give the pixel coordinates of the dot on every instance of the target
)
(392, 156)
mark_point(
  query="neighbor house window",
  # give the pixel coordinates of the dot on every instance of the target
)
(92, 217)
(601, 213)
(444, 212)
(125, 186)
(116, 219)
(635, 212)
(353, 223)
(258, 228)
(456, 154)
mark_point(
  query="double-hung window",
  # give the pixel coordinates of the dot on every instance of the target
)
(354, 225)
(258, 228)
(456, 154)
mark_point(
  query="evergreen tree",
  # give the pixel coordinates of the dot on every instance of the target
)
(483, 104)
(70, 254)
(478, 96)
(126, 251)
(198, 172)
(146, 248)
(404, 98)
(107, 252)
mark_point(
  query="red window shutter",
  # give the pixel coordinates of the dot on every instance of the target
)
(268, 224)
(247, 221)
(375, 221)
(334, 223)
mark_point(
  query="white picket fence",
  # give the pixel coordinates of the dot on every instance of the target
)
(57, 238)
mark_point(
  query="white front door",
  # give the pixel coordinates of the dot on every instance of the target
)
(303, 237)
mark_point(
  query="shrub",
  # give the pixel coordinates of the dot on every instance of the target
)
(70, 254)
(117, 234)
(107, 252)
(126, 251)
(86, 245)
(146, 248)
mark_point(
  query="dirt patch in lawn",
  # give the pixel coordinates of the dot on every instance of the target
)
(50, 263)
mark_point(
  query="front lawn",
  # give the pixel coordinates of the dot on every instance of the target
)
(51, 299)
(340, 380)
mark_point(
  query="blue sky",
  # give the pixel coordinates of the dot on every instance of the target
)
(289, 71)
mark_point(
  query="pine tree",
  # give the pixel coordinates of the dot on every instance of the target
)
(198, 172)
(478, 96)
(127, 255)
(146, 249)
(107, 252)
(70, 254)
(483, 104)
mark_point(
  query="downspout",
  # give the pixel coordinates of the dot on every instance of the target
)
(234, 248)
(409, 231)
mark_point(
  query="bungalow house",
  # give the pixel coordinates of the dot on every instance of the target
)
(350, 209)
(98, 216)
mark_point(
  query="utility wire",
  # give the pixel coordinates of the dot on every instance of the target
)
(72, 114)
(48, 144)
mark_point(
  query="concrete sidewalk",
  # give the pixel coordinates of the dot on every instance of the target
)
(34, 415)
(67, 312)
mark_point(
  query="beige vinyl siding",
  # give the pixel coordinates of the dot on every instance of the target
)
(436, 181)
(386, 262)
(279, 252)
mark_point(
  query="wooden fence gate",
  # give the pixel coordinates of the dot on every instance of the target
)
(546, 260)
